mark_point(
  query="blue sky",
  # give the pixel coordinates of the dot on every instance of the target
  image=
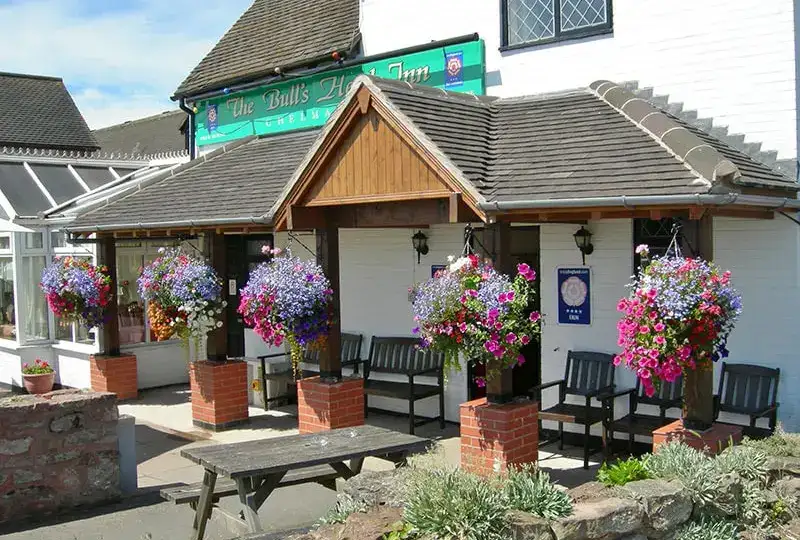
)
(120, 59)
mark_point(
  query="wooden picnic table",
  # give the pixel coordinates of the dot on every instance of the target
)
(258, 467)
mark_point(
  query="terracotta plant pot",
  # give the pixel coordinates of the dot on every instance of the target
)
(40, 383)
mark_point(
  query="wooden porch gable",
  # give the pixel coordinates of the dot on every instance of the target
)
(370, 159)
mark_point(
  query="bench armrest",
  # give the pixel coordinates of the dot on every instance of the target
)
(765, 412)
(535, 392)
(275, 355)
(614, 395)
(600, 393)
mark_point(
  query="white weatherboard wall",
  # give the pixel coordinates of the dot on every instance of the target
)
(160, 364)
(733, 60)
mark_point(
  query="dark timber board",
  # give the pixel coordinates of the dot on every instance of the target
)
(280, 454)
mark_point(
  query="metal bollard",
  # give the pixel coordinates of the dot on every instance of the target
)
(126, 432)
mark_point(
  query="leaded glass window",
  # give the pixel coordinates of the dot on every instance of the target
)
(531, 22)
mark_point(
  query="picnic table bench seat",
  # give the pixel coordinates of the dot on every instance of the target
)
(402, 356)
(324, 475)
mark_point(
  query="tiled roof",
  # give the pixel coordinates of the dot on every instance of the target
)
(146, 136)
(570, 144)
(275, 33)
(239, 181)
(38, 112)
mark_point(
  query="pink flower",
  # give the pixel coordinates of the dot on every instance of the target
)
(525, 340)
(480, 382)
(659, 327)
(622, 305)
(660, 340)
(462, 327)
(511, 337)
(473, 293)
(503, 298)
(520, 359)
(644, 329)
(523, 268)
(493, 313)
(510, 295)
(651, 293)
(642, 249)
(534, 316)
(498, 325)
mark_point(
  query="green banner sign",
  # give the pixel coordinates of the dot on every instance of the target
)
(309, 101)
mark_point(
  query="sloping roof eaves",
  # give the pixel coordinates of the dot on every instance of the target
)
(155, 134)
(39, 112)
(237, 184)
(275, 33)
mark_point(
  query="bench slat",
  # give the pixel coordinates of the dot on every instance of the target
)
(225, 487)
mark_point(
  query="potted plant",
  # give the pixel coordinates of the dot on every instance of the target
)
(288, 300)
(184, 296)
(675, 321)
(470, 309)
(38, 377)
(77, 291)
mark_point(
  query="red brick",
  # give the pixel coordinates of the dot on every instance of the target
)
(322, 406)
(219, 392)
(712, 441)
(499, 435)
(115, 374)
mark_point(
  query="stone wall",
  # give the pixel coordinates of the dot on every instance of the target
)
(58, 450)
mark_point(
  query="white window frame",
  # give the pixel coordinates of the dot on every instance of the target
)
(5, 342)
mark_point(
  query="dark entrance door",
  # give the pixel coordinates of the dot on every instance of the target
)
(243, 253)
(524, 249)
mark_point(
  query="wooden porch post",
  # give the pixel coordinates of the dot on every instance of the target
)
(500, 389)
(107, 253)
(330, 362)
(218, 338)
(698, 384)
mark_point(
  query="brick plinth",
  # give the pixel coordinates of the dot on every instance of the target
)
(713, 441)
(219, 394)
(116, 374)
(322, 406)
(496, 436)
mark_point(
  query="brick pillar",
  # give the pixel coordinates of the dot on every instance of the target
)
(712, 441)
(116, 374)
(496, 436)
(322, 406)
(219, 394)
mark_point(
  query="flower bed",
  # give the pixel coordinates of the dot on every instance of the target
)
(469, 308)
(288, 300)
(77, 291)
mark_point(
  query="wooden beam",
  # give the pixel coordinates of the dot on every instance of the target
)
(454, 198)
(500, 389)
(218, 337)
(109, 335)
(330, 360)
(364, 98)
(398, 214)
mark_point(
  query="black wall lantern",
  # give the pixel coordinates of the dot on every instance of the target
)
(420, 243)
(583, 239)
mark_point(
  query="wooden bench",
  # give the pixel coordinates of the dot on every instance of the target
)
(402, 356)
(588, 375)
(668, 396)
(351, 357)
(752, 391)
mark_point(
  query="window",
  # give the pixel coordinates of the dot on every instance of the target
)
(8, 322)
(658, 234)
(36, 313)
(535, 22)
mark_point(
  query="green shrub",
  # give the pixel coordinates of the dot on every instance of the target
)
(707, 529)
(622, 472)
(345, 505)
(748, 462)
(780, 444)
(529, 490)
(692, 468)
(450, 504)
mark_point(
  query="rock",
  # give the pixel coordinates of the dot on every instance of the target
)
(67, 423)
(779, 466)
(634, 537)
(598, 519)
(15, 446)
(590, 491)
(666, 504)
(788, 488)
(378, 488)
(371, 525)
(525, 526)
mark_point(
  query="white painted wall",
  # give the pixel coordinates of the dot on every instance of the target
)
(160, 364)
(763, 258)
(72, 368)
(733, 60)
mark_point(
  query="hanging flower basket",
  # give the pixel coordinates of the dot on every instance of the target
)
(184, 296)
(77, 291)
(288, 300)
(676, 321)
(471, 309)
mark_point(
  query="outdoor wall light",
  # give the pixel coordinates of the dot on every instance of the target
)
(583, 239)
(420, 243)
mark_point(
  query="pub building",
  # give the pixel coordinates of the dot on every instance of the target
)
(359, 160)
